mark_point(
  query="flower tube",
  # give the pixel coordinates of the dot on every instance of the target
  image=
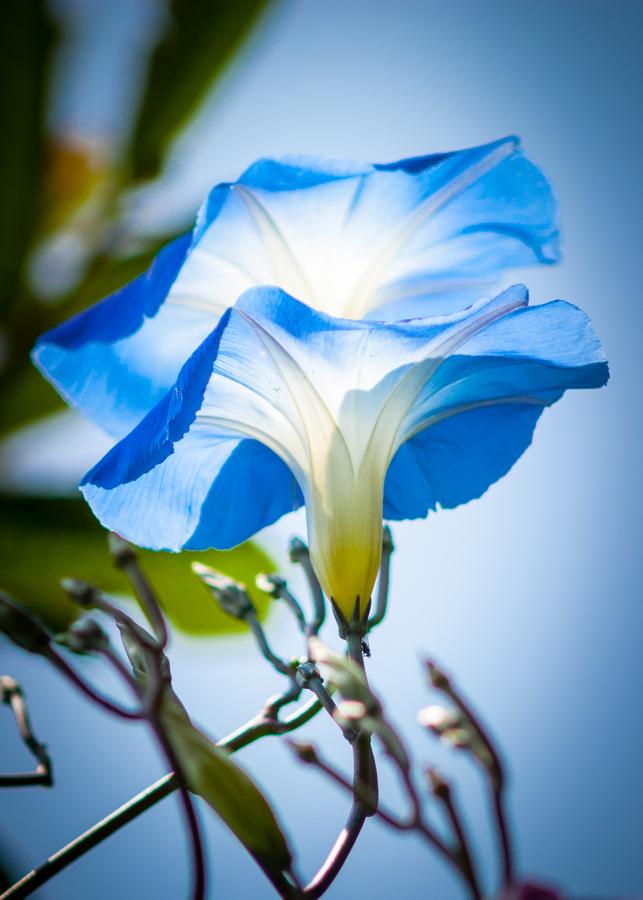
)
(360, 420)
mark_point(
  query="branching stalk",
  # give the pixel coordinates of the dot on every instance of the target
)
(11, 693)
(364, 803)
(258, 727)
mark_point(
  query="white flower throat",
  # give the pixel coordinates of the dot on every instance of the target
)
(346, 247)
(335, 408)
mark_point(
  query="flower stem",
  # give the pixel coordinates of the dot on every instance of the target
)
(497, 780)
(11, 694)
(256, 728)
(92, 837)
(196, 842)
(364, 776)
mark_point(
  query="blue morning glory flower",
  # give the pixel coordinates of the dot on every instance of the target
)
(283, 404)
(391, 241)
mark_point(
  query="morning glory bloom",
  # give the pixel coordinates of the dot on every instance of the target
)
(283, 404)
(409, 238)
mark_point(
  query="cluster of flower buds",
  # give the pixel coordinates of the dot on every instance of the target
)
(22, 628)
(360, 708)
(456, 725)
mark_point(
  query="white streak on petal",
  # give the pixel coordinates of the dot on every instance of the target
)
(361, 300)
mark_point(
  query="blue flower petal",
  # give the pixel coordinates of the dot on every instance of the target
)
(112, 361)
(170, 486)
(476, 415)
(401, 239)
(457, 459)
(282, 403)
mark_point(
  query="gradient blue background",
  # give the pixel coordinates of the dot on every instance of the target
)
(532, 594)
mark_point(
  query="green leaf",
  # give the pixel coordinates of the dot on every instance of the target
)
(25, 398)
(26, 41)
(225, 786)
(42, 541)
(201, 40)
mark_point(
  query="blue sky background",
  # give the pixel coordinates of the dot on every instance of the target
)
(532, 594)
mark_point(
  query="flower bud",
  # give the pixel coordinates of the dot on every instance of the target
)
(438, 678)
(121, 550)
(305, 752)
(271, 584)
(439, 719)
(352, 710)
(344, 673)
(84, 636)
(439, 787)
(231, 596)
(22, 628)
(80, 592)
(141, 649)
(297, 550)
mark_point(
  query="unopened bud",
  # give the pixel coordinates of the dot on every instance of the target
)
(297, 550)
(271, 584)
(439, 786)
(387, 540)
(84, 636)
(438, 678)
(22, 628)
(80, 592)
(460, 738)
(231, 596)
(439, 719)
(121, 550)
(344, 673)
(352, 710)
(141, 649)
(305, 752)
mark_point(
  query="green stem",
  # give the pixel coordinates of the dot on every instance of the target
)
(364, 775)
(253, 730)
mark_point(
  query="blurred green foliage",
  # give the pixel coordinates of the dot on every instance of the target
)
(52, 184)
(200, 41)
(26, 44)
(42, 541)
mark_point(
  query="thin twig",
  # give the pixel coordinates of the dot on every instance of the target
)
(264, 647)
(415, 822)
(92, 837)
(105, 703)
(256, 728)
(495, 771)
(125, 558)
(443, 792)
(299, 554)
(151, 699)
(11, 693)
(196, 841)
(87, 596)
(277, 587)
(271, 707)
